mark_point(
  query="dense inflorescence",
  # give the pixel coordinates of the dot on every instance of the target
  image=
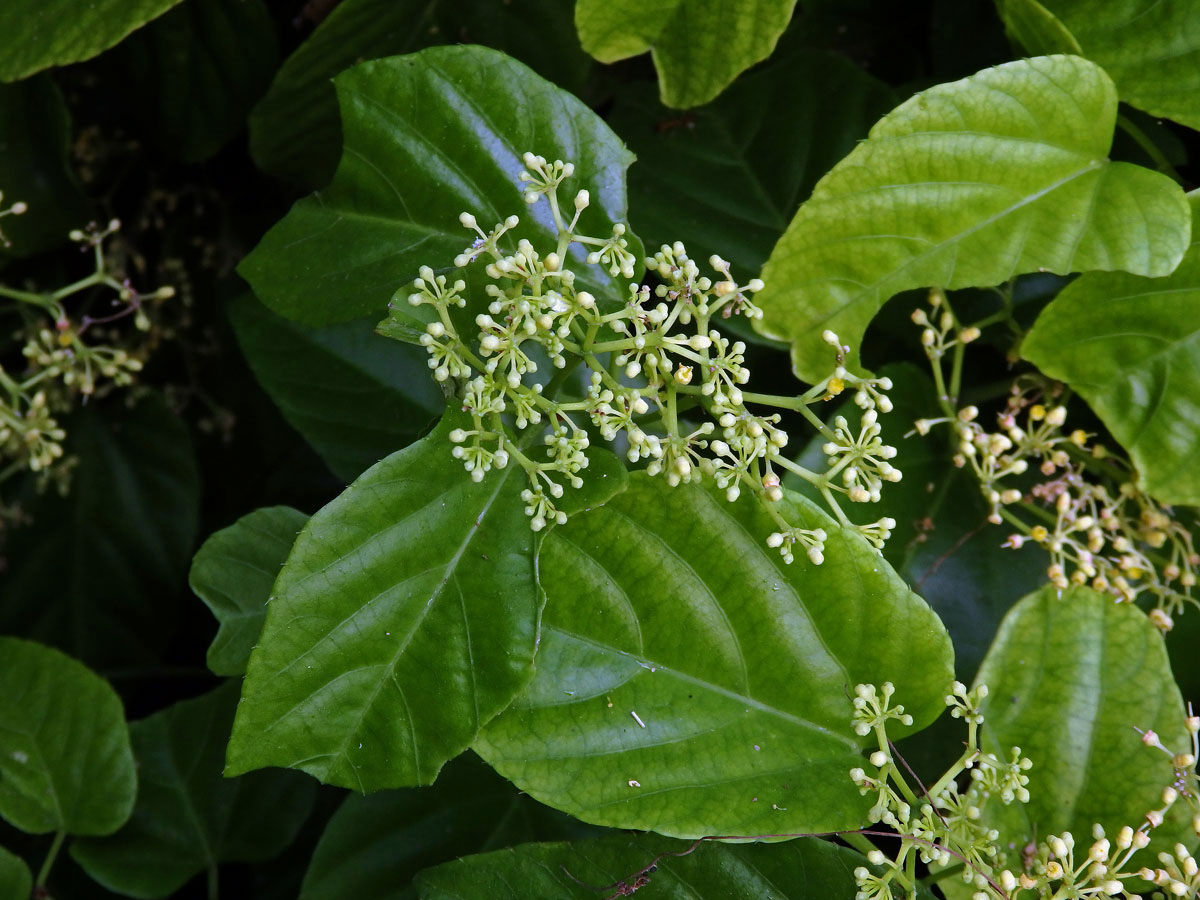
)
(654, 361)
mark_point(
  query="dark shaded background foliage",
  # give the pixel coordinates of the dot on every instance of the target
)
(163, 146)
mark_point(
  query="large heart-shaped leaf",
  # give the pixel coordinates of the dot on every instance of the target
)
(37, 34)
(233, 573)
(294, 131)
(727, 178)
(968, 184)
(428, 136)
(1070, 678)
(16, 883)
(1151, 50)
(404, 619)
(354, 397)
(95, 563)
(65, 761)
(1131, 347)
(374, 845)
(803, 869)
(188, 819)
(195, 72)
(698, 48)
(690, 683)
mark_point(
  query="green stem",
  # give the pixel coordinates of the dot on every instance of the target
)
(44, 872)
(1152, 150)
(859, 842)
(214, 891)
(39, 300)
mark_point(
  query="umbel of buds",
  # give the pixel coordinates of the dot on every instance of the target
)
(663, 385)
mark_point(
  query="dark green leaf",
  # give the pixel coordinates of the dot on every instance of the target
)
(37, 34)
(233, 573)
(35, 131)
(1151, 50)
(188, 819)
(294, 131)
(1071, 677)
(15, 881)
(354, 397)
(197, 71)
(968, 184)
(403, 620)
(65, 762)
(667, 606)
(374, 845)
(698, 48)
(1131, 347)
(86, 575)
(727, 178)
(803, 869)
(428, 136)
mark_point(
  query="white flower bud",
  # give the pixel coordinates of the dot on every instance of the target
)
(755, 285)
(467, 220)
(582, 199)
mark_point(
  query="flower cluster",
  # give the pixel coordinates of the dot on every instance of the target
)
(664, 386)
(65, 355)
(1063, 492)
(945, 827)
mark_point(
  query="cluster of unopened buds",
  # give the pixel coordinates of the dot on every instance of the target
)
(58, 365)
(1067, 494)
(942, 826)
(664, 386)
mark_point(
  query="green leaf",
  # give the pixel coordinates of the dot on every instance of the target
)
(95, 564)
(667, 603)
(294, 131)
(197, 71)
(428, 136)
(37, 34)
(374, 845)
(1036, 28)
(35, 134)
(65, 762)
(1070, 678)
(188, 819)
(968, 184)
(403, 620)
(354, 397)
(1131, 347)
(1151, 50)
(797, 870)
(233, 573)
(15, 881)
(726, 178)
(698, 48)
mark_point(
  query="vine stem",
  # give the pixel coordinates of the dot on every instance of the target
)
(51, 855)
(1152, 150)
(214, 890)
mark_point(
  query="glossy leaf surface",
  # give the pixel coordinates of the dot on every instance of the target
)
(188, 818)
(698, 48)
(37, 34)
(428, 136)
(1151, 50)
(796, 870)
(354, 397)
(94, 564)
(726, 178)
(690, 683)
(374, 845)
(967, 184)
(404, 619)
(65, 761)
(294, 131)
(233, 573)
(1071, 677)
(1131, 347)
